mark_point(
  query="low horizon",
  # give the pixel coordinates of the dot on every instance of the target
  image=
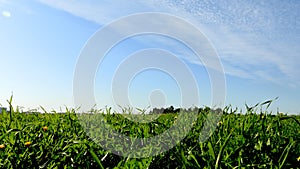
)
(259, 107)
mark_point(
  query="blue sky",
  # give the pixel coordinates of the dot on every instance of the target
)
(257, 42)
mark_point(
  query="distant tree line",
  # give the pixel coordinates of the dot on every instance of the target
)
(171, 109)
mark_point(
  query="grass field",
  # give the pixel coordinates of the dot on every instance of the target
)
(254, 139)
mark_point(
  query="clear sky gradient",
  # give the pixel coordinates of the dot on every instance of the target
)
(257, 42)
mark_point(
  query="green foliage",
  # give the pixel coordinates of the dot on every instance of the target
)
(251, 140)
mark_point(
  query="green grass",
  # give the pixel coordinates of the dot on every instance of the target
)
(250, 140)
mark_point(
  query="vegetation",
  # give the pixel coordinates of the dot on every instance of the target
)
(57, 140)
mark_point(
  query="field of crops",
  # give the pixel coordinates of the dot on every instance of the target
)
(54, 140)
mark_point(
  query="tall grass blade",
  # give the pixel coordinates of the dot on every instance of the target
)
(96, 158)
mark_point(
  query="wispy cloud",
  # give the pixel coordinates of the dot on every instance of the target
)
(250, 38)
(101, 12)
(254, 40)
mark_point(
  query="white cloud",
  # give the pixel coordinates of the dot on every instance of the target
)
(250, 38)
(248, 46)
(6, 14)
(101, 12)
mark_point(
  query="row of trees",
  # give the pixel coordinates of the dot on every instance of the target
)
(171, 109)
(165, 110)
